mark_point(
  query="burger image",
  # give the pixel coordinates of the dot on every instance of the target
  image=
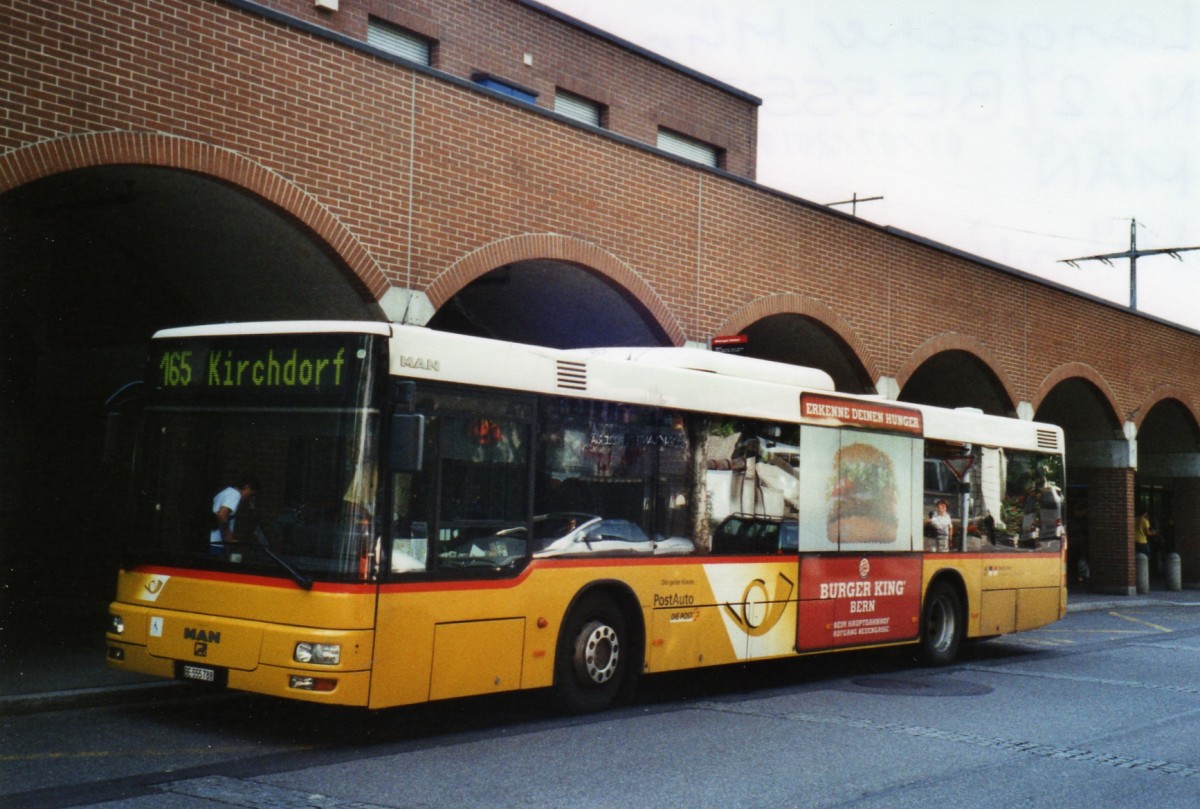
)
(862, 497)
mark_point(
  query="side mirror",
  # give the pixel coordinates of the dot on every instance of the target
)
(407, 450)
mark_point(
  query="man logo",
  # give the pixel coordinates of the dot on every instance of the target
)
(202, 638)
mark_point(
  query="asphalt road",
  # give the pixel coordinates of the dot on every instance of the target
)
(1100, 709)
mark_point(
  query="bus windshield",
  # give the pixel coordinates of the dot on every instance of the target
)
(274, 477)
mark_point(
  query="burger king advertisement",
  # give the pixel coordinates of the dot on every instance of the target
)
(857, 491)
(858, 600)
(861, 485)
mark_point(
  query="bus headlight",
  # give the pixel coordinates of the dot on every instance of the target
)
(116, 624)
(321, 654)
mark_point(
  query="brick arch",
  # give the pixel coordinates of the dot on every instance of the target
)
(71, 152)
(556, 247)
(1165, 393)
(1078, 370)
(952, 341)
(790, 303)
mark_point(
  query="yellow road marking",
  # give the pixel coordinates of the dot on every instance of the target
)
(1054, 642)
(1136, 621)
(194, 751)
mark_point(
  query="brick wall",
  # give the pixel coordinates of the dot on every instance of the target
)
(494, 36)
(409, 175)
(1109, 546)
(377, 145)
(1187, 530)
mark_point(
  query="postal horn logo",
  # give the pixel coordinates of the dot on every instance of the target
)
(759, 609)
(152, 587)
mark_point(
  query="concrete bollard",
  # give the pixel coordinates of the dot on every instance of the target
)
(1174, 572)
(1143, 573)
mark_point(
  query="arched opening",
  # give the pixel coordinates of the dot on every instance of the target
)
(957, 378)
(550, 303)
(1168, 486)
(800, 340)
(93, 261)
(1099, 481)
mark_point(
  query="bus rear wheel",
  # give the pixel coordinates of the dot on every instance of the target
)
(590, 663)
(941, 625)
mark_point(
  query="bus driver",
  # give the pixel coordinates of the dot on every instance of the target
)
(225, 507)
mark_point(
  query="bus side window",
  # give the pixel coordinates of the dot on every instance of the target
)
(410, 532)
(940, 486)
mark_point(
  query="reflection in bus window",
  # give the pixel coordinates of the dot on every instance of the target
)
(753, 468)
(629, 467)
(483, 505)
(410, 526)
(675, 475)
(470, 501)
(1014, 498)
(751, 534)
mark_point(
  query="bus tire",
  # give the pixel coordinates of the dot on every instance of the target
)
(941, 625)
(592, 656)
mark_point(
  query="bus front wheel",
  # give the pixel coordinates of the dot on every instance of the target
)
(590, 662)
(941, 625)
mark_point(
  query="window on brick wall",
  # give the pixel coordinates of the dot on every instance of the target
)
(579, 108)
(689, 148)
(399, 42)
(506, 87)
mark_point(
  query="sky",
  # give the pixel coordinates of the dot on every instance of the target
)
(1022, 131)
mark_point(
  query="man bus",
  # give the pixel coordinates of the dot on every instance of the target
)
(442, 516)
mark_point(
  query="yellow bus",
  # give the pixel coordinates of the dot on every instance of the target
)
(376, 515)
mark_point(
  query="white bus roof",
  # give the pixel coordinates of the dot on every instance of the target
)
(695, 359)
(682, 378)
(278, 327)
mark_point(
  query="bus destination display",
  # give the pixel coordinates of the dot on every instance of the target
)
(281, 364)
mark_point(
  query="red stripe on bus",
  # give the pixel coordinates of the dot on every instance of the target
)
(283, 583)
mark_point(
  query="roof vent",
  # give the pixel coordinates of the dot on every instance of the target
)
(1047, 439)
(692, 359)
(572, 375)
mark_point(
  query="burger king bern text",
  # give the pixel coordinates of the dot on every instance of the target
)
(861, 589)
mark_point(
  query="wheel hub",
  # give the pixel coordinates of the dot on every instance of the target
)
(599, 653)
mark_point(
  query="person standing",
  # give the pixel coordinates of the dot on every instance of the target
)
(1142, 532)
(943, 527)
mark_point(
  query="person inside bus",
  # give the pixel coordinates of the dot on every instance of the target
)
(943, 527)
(225, 507)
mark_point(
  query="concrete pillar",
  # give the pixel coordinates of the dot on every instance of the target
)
(408, 306)
(1174, 577)
(1143, 573)
(887, 387)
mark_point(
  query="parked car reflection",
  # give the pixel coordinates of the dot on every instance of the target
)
(580, 534)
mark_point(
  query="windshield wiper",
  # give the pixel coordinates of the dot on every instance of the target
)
(304, 581)
(264, 545)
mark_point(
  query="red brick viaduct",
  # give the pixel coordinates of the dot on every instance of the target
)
(417, 181)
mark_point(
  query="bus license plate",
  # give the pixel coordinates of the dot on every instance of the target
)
(204, 675)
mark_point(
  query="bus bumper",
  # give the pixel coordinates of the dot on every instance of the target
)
(350, 688)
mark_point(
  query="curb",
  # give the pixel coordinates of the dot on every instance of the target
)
(20, 704)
